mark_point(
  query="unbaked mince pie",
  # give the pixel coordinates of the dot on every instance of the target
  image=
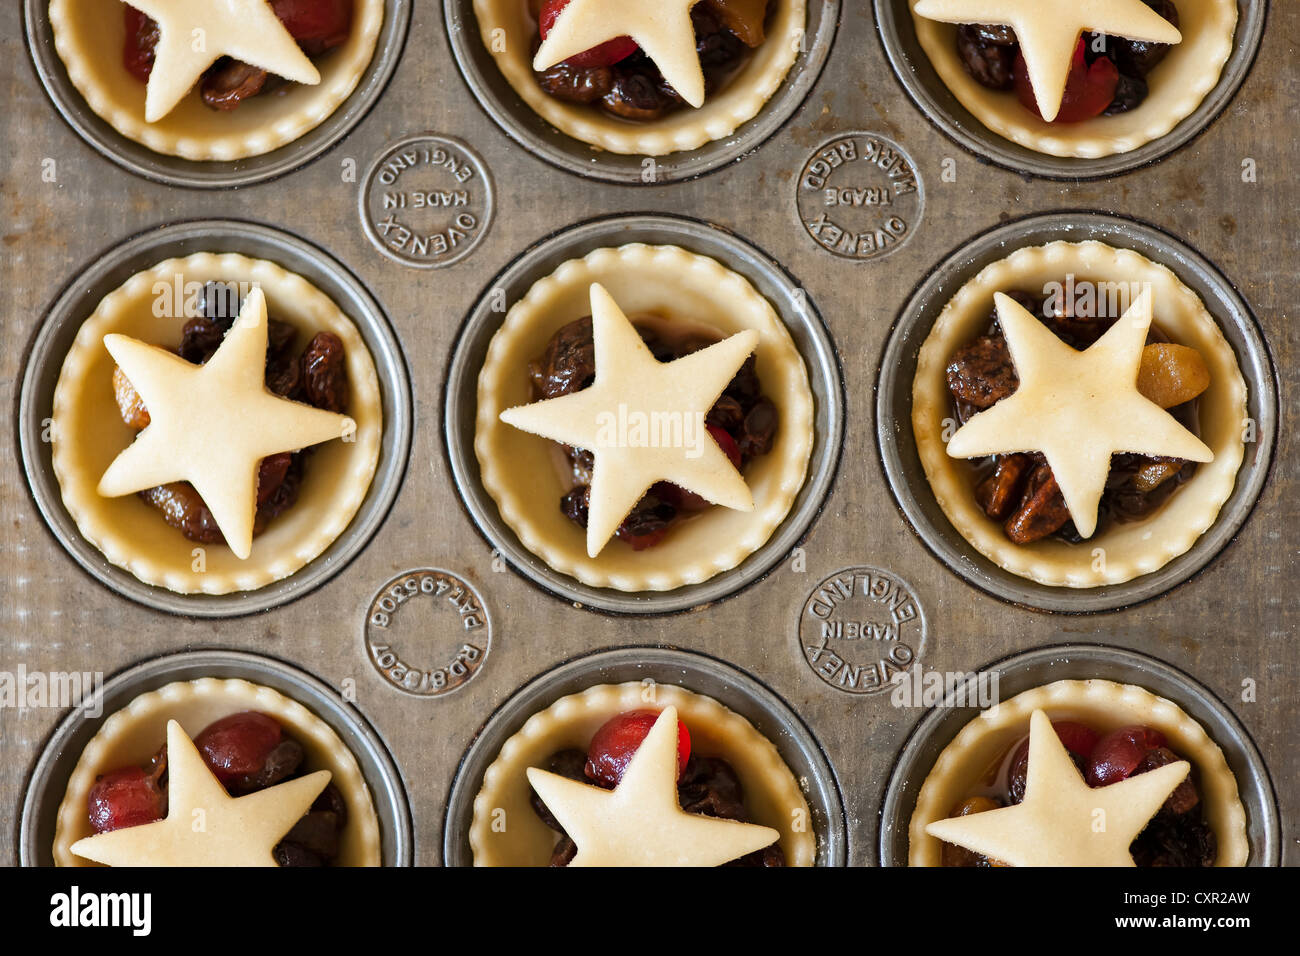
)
(215, 80)
(644, 419)
(1079, 414)
(1080, 773)
(271, 783)
(1078, 79)
(642, 78)
(640, 775)
(216, 424)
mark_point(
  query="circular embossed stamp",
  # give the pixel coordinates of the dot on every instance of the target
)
(860, 628)
(427, 201)
(428, 632)
(860, 196)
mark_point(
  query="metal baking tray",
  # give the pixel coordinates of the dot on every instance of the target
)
(425, 697)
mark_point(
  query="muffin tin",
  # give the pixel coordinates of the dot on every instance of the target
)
(84, 209)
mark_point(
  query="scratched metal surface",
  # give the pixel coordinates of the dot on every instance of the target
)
(1237, 620)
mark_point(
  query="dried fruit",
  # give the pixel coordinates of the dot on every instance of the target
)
(1089, 89)
(125, 798)
(744, 18)
(606, 54)
(325, 373)
(237, 746)
(617, 741)
(129, 402)
(1172, 374)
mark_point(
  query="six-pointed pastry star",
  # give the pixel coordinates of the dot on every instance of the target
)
(662, 28)
(1077, 408)
(205, 826)
(1049, 31)
(194, 34)
(640, 822)
(652, 398)
(211, 425)
(1062, 821)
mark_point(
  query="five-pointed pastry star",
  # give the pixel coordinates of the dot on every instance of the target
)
(633, 388)
(640, 822)
(211, 425)
(1049, 30)
(662, 28)
(194, 34)
(205, 826)
(1077, 408)
(1062, 821)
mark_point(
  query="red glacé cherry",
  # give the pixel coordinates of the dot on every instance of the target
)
(141, 38)
(1118, 754)
(607, 54)
(1088, 91)
(238, 745)
(726, 443)
(618, 739)
(124, 798)
(317, 25)
(1078, 738)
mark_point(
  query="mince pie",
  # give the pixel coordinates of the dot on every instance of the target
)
(1026, 782)
(1079, 414)
(631, 79)
(702, 785)
(644, 419)
(1080, 80)
(216, 424)
(267, 72)
(274, 784)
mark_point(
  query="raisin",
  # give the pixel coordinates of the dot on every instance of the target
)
(569, 363)
(982, 373)
(325, 373)
(1130, 93)
(575, 504)
(220, 302)
(576, 84)
(229, 82)
(200, 339)
(184, 510)
(564, 852)
(1137, 58)
(281, 763)
(317, 833)
(290, 854)
(282, 498)
(726, 414)
(744, 386)
(637, 94)
(989, 64)
(759, 430)
(566, 763)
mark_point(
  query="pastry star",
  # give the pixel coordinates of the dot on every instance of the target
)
(662, 28)
(640, 822)
(1077, 408)
(1062, 821)
(1049, 32)
(205, 826)
(633, 389)
(194, 34)
(211, 425)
